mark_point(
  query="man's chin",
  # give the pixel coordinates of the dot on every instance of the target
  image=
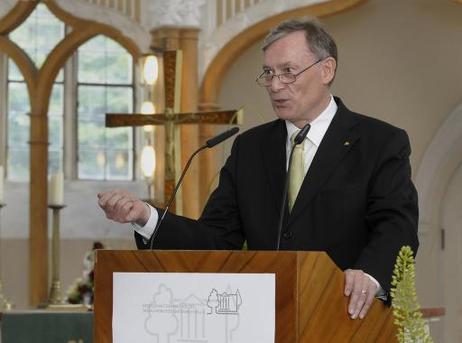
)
(283, 114)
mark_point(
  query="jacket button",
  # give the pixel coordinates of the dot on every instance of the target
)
(288, 234)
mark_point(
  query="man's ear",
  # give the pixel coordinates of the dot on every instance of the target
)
(329, 65)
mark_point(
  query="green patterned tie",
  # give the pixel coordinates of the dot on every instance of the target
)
(296, 171)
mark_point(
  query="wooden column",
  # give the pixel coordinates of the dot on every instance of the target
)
(38, 211)
(185, 39)
(208, 158)
(190, 133)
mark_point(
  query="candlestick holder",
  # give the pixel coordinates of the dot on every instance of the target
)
(55, 297)
(5, 304)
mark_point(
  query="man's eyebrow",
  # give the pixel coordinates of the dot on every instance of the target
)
(280, 66)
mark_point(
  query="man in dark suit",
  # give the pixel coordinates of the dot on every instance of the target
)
(350, 195)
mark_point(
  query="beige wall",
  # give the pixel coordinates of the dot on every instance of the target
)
(399, 61)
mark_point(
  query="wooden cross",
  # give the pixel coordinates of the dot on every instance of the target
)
(171, 119)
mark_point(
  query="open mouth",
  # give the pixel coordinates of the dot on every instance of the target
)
(280, 102)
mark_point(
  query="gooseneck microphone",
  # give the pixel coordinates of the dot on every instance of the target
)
(220, 138)
(299, 138)
(208, 144)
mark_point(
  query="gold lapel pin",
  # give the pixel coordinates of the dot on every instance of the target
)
(346, 143)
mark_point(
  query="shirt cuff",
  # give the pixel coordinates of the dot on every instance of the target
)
(381, 294)
(147, 230)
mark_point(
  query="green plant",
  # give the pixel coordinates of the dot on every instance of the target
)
(406, 308)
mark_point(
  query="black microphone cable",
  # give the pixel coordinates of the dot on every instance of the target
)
(299, 138)
(208, 144)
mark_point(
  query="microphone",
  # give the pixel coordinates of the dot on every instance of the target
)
(208, 144)
(221, 137)
(299, 138)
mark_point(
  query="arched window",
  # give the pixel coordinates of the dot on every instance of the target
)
(37, 36)
(98, 78)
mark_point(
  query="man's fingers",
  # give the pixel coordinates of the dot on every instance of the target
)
(361, 300)
(121, 204)
(102, 198)
(106, 198)
(126, 206)
(349, 276)
(370, 297)
(122, 210)
(362, 295)
(115, 204)
(356, 295)
(113, 201)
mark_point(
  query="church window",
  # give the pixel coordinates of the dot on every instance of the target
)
(105, 85)
(37, 36)
(97, 79)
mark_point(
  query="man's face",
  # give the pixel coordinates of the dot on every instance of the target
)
(302, 101)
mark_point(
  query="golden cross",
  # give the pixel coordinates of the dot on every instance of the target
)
(171, 119)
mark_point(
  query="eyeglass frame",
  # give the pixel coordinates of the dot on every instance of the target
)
(279, 75)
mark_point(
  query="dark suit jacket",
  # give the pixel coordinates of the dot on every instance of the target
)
(357, 201)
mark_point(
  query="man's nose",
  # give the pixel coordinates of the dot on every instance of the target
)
(276, 84)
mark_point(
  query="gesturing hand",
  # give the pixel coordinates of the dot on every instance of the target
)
(123, 207)
(361, 290)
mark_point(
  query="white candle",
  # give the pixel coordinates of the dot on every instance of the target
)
(56, 189)
(2, 191)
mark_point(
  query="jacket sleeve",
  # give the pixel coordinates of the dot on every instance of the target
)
(392, 210)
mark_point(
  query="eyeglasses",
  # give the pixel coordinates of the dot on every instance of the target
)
(266, 78)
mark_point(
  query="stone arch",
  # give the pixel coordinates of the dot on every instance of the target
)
(61, 9)
(127, 29)
(221, 62)
(439, 163)
(440, 166)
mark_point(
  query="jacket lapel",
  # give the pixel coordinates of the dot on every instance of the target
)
(337, 141)
(274, 158)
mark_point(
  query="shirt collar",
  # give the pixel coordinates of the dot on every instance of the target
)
(319, 125)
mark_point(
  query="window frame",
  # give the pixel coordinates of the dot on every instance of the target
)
(3, 107)
(70, 117)
(135, 132)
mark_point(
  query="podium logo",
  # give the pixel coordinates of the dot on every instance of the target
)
(193, 319)
(224, 303)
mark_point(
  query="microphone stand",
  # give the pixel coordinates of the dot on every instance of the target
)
(172, 197)
(298, 139)
(284, 201)
(209, 144)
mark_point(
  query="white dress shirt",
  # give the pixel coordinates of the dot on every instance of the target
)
(315, 135)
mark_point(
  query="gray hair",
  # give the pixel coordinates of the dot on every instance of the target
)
(321, 43)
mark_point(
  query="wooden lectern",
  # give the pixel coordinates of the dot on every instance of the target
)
(310, 305)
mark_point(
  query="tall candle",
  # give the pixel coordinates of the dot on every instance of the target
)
(56, 189)
(2, 191)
